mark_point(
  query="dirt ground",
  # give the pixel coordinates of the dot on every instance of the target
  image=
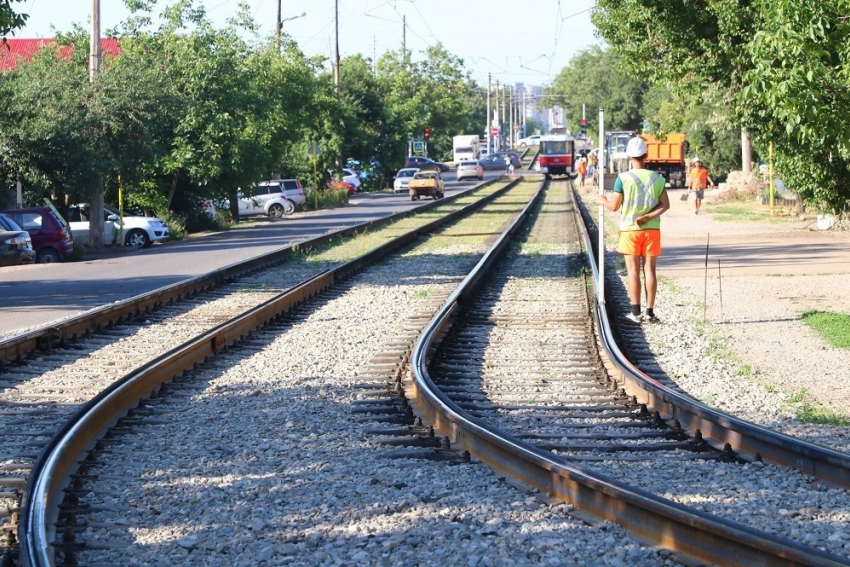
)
(769, 273)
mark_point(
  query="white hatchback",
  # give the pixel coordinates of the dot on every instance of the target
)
(402, 179)
(139, 232)
(273, 198)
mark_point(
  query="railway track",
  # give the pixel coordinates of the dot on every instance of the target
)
(527, 363)
(56, 374)
(519, 381)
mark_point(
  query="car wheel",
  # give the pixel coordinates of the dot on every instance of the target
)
(522, 145)
(276, 210)
(48, 256)
(288, 207)
(137, 238)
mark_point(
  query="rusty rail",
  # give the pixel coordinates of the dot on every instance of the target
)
(21, 345)
(696, 537)
(751, 442)
(50, 475)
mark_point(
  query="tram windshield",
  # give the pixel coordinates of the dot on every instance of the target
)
(551, 147)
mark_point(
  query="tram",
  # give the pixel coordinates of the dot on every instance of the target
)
(557, 155)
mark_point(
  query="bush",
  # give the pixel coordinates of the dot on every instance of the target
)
(77, 253)
(335, 194)
(176, 224)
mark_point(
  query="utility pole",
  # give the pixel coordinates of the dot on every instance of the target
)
(374, 56)
(277, 28)
(96, 201)
(404, 38)
(336, 54)
(746, 152)
(511, 101)
(497, 144)
(489, 119)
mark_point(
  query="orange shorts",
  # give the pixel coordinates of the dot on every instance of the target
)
(640, 242)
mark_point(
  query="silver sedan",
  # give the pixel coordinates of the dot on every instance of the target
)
(467, 169)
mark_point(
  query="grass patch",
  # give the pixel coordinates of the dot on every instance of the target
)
(423, 293)
(832, 327)
(807, 410)
(737, 211)
(745, 371)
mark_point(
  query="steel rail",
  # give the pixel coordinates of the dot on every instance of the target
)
(750, 441)
(19, 346)
(51, 473)
(696, 537)
(533, 161)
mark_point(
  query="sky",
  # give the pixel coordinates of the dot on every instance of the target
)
(499, 37)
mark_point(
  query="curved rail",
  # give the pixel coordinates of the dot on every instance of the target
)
(533, 161)
(21, 345)
(719, 429)
(50, 475)
(695, 536)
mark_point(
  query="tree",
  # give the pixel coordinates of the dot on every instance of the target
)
(597, 77)
(781, 68)
(9, 19)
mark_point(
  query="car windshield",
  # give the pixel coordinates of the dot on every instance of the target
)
(406, 173)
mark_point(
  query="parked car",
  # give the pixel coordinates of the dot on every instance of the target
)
(139, 232)
(425, 164)
(529, 141)
(467, 169)
(402, 178)
(273, 198)
(50, 234)
(15, 243)
(352, 178)
(364, 170)
(497, 161)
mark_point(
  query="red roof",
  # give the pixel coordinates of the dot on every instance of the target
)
(14, 50)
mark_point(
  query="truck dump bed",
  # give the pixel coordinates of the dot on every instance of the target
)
(670, 151)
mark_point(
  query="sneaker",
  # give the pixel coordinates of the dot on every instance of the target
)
(696, 212)
(636, 319)
(652, 319)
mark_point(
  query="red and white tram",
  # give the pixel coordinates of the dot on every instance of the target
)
(557, 155)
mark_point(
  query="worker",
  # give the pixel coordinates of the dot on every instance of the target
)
(644, 199)
(698, 181)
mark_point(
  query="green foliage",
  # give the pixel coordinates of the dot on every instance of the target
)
(780, 66)
(809, 411)
(834, 328)
(9, 19)
(598, 77)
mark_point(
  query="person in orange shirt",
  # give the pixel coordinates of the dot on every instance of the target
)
(582, 170)
(698, 181)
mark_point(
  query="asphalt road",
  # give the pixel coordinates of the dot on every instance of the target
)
(35, 295)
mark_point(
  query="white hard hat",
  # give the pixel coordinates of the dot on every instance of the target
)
(636, 147)
(697, 160)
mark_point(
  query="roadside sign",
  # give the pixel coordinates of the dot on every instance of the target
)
(494, 131)
(314, 149)
(418, 147)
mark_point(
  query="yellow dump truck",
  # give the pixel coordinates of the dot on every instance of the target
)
(426, 184)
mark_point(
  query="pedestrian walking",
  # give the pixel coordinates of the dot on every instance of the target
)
(508, 164)
(582, 171)
(698, 180)
(591, 164)
(642, 199)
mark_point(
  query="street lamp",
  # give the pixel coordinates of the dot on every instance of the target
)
(280, 22)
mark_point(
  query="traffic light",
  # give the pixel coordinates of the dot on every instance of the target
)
(584, 127)
(427, 133)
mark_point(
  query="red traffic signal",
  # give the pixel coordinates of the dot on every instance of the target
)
(427, 133)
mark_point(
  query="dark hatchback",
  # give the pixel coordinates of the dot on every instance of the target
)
(497, 161)
(15, 243)
(51, 235)
(425, 164)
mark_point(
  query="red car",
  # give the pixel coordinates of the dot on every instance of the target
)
(50, 234)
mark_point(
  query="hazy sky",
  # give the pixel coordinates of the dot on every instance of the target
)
(526, 42)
